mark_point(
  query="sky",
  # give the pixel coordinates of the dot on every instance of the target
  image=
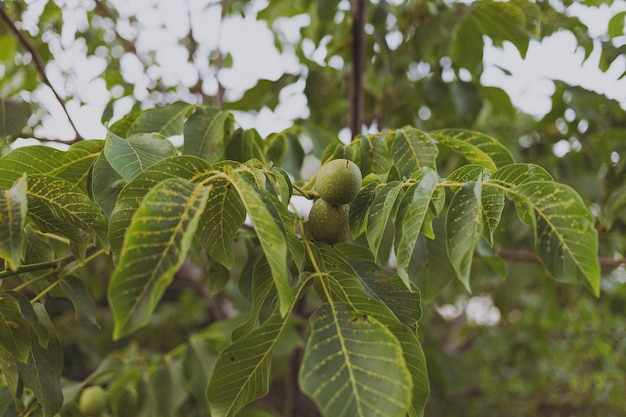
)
(251, 45)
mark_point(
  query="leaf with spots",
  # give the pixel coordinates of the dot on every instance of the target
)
(463, 228)
(60, 207)
(155, 246)
(31, 160)
(566, 240)
(242, 371)
(269, 228)
(375, 157)
(188, 167)
(353, 365)
(477, 148)
(346, 287)
(380, 212)
(412, 149)
(223, 216)
(414, 214)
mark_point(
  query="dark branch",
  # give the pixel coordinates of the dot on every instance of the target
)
(524, 256)
(355, 87)
(39, 64)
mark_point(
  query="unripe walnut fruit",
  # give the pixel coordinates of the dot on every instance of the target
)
(93, 401)
(338, 181)
(328, 223)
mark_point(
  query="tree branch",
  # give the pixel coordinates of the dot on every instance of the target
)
(39, 65)
(355, 87)
(531, 257)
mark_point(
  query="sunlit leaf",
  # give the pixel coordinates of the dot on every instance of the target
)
(30, 159)
(156, 243)
(477, 148)
(353, 365)
(13, 209)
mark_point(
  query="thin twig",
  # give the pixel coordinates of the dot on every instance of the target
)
(531, 257)
(39, 64)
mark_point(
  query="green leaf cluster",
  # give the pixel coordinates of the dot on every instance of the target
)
(147, 208)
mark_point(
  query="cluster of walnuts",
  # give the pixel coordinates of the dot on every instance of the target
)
(337, 183)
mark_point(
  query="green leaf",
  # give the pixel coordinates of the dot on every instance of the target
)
(375, 157)
(30, 159)
(13, 117)
(155, 246)
(430, 268)
(412, 214)
(14, 329)
(268, 226)
(353, 365)
(476, 147)
(42, 372)
(566, 240)
(188, 167)
(389, 288)
(166, 121)
(241, 373)
(502, 21)
(77, 162)
(244, 145)
(223, 216)
(359, 208)
(285, 150)
(206, 132)
(344, 286)
(513, 175)
(412, 149)
(616, 25)
(60, 207)
(264, 93)
(106, 184)
(13, 209)
(78, 293)
(467, 46)
(380, 212)
(463, 228)
(7, 405)
(129, 157)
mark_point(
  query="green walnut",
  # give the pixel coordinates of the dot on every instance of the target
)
(93, 401)
(328, 223)
(338, 181)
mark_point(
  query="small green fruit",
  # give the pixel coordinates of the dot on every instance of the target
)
(93, 401)
(339, 181)
(328, 223)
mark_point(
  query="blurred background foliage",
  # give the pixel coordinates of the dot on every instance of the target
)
(517, 345)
